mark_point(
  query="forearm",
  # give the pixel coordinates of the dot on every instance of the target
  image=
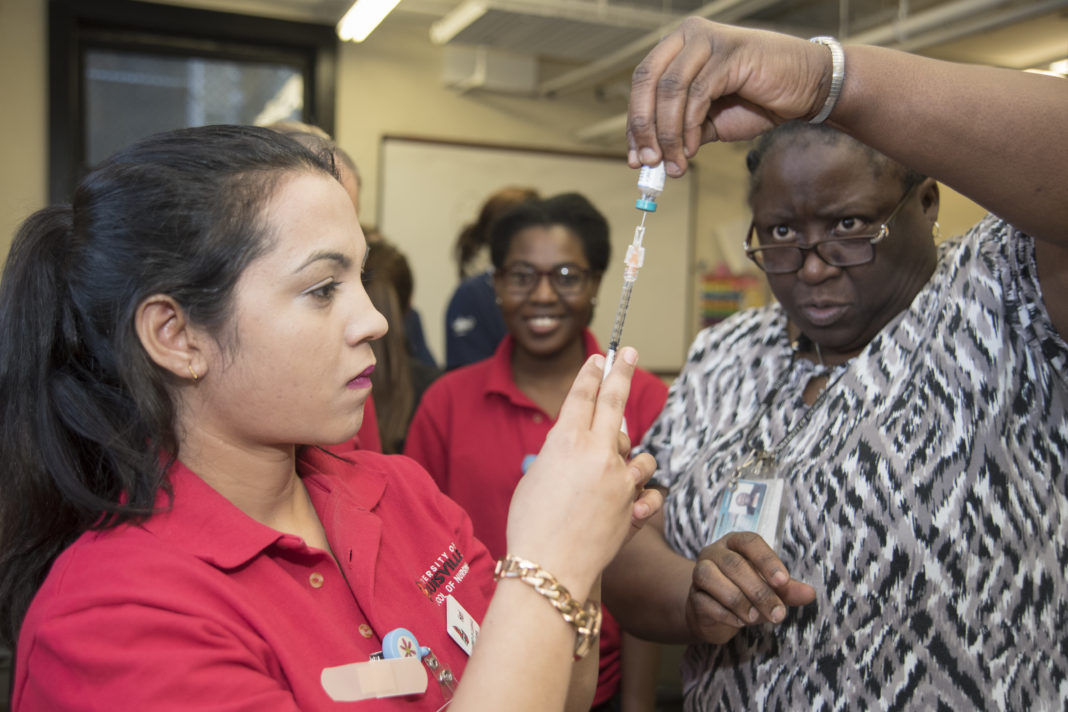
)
(583, 687)
(640, 661)
(524, 656)
(646, 587)
(995, 135)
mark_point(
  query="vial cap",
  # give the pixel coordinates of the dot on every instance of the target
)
(648, 206)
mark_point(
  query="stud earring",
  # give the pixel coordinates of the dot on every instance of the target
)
(593, 301)
(936, 230)
(498, 300)
(193, 373)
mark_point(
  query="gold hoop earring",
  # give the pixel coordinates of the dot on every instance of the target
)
(936, 230)
(193, 373)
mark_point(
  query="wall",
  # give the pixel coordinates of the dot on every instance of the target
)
(389, 84)
(23, 118)
(450, 181)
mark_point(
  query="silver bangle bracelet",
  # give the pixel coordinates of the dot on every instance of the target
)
(837, 76)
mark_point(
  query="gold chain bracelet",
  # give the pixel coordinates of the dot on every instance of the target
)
(585, 618)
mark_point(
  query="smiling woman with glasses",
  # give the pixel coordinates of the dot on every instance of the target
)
(478, 426)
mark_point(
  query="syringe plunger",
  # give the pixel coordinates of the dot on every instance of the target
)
(650, 184)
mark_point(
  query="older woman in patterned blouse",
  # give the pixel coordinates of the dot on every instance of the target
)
(901, 410)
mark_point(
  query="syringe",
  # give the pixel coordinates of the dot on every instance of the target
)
(650, 185)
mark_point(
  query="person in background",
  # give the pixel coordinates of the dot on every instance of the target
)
(478, 426)
(398, 378)
(318, 140)
(473, 324)
(401, 274)
(909, 398)
(174, 533)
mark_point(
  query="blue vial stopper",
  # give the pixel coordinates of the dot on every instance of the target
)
(648, 206)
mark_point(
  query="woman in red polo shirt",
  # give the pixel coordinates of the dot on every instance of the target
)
(478, 426)
(177, 349)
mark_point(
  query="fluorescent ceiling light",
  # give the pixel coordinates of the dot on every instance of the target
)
(1058, 68)
(362, 18)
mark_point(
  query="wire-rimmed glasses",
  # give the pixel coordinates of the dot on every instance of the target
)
(567, 280)
(842, 251)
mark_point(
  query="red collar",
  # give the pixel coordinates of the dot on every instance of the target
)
(202, 522)
(499, 378)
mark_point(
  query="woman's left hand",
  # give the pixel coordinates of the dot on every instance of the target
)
(738, 580)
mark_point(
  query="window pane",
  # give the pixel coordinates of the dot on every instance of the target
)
(130, 95)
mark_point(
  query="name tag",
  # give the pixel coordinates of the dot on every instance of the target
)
(463, 629)
(751, 506)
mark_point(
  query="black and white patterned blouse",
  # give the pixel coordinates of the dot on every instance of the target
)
(926, 498)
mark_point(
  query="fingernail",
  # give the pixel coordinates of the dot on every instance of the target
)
(777, 614)
(754, 615)
(598, 360)
(779, 578)
(641, 510)
(629, 355)
(672, 168)
(648, 157)
(632, 157)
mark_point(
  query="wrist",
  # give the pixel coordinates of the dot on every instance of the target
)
(584, 618)
(836, 79)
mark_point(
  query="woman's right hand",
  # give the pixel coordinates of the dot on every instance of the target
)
(738, 580)
(711, 82)
(581, 498)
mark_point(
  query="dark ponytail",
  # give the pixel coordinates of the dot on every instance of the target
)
(87, 420)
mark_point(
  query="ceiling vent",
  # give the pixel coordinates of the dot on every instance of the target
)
(469, 68)
(565, 29)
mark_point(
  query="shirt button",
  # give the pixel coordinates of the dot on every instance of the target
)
(316, 580)
(537, 417)
(365, 630)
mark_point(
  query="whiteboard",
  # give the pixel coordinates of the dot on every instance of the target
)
(428, 190)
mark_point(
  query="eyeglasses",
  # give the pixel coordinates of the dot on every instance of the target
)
(521, 279)
(836, 250)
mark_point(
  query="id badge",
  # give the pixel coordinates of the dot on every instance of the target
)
(752, 502)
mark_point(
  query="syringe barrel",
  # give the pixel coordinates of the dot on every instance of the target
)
(621, 314)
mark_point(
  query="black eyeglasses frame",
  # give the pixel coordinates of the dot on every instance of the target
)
(553, 274)
(754, 253)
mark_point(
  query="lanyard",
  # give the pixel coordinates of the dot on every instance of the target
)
(759, 462)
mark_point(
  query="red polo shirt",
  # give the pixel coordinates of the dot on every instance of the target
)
(201, 607)
(472, 431)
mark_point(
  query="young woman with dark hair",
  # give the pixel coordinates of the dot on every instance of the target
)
(184, 354)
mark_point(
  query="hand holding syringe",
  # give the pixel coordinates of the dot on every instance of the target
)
(650, 184)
